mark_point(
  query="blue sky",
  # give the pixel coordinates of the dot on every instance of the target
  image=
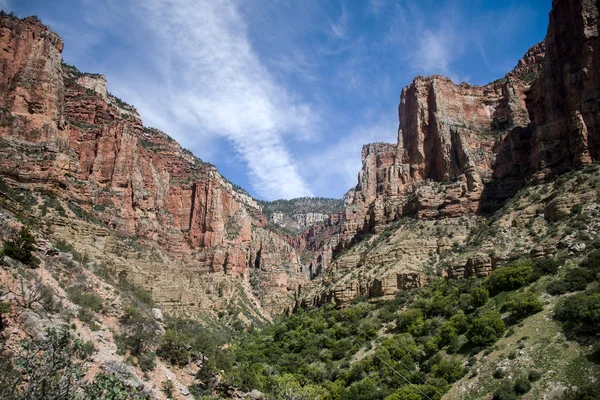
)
(281, 95)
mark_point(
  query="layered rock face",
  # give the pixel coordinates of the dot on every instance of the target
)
(62, 134)
(465, 149)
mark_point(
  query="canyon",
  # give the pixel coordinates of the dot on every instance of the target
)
(130, 196)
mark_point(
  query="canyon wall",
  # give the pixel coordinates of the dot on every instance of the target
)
(465, 150)
(62, 134)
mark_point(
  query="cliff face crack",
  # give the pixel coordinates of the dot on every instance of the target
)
(192, 206)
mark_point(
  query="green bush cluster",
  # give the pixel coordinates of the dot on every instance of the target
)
(575, 279)
(21, 246)
(186, 341)
(523, 305)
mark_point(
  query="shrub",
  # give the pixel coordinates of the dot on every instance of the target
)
(5, 308)
(411, 321)
(87, 349)
(175, 348)
(79, 295)
(576, 279)
(147, 361)
(479, 296)
(499, 373)
(510, 277)
(20, 247)
(110, 387)
(524, 304)
(51, 367)
(544, 266)
(522, 385)
(505, 392)
(449, 369)
(167, 388)
(140, 330)
(486, 329)
(580, 313)
(534, 376)
(592, 262)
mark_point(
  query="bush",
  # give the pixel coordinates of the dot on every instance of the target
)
(449, 369)
(78, 294)
(592, 262)
(411, 321)
(505, 392)
(20, 247)
(147, 361)
(175, 348)
(580, 313)
(141, 330)
(87, 349)
(479, 296)
(510, 277)
(523, 305)
(486, 329)
(52, 368)
(544, 266)
(522, 385)
(534, 376)
(109, 387)
(576, 279)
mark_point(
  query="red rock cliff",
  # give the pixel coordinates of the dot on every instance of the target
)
(62, 134)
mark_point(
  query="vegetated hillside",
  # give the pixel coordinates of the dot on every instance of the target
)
(528, 327)
(525, 326)
(295, 215)
(73, 328)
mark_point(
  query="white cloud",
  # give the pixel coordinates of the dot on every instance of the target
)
(339, 29)
(214, 83)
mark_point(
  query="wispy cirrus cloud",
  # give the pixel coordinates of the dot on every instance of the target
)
(339, 28)
(212, 82)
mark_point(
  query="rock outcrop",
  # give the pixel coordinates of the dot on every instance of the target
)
(465, 149)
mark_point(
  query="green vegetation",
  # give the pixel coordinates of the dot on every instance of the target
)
(85, 298)
(20, 247)
(411, 347)
(140, 332)
(523, 305)
(49, 369)
(302, 205)
(110, 387)
(186, 341)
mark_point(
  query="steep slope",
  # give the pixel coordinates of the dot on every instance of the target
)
(62, 135)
